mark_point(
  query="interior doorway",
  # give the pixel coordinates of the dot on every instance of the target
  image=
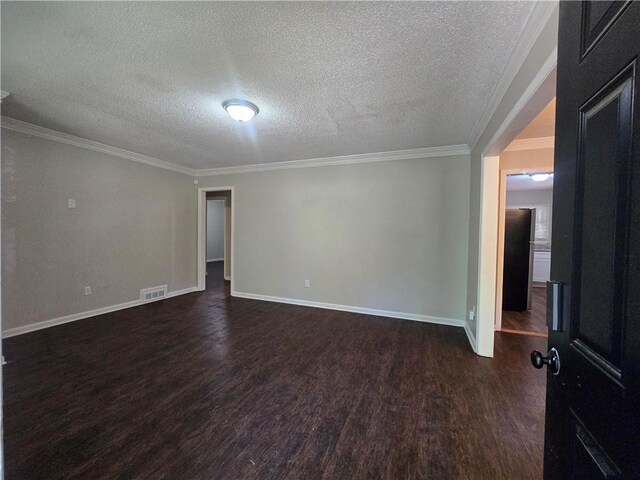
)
(524, 227)
(215, 240)
(526, 258)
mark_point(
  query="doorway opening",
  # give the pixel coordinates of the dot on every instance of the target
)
(524, 227)
(526, 253)
(215, 240)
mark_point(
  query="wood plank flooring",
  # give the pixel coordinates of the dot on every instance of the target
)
(217, 286)
(206, 386)
(533, 321)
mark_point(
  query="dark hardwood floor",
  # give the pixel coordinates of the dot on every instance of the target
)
(533, 321)
(205, 386)
(216, 284)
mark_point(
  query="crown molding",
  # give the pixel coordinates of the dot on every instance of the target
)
(531, 144)
(536, 21)
(430, 152)
(29, 129)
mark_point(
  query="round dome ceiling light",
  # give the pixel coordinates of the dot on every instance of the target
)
(240, 110)
(539, 177)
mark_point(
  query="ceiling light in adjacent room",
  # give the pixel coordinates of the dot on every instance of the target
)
(539, 177)
(240, 110)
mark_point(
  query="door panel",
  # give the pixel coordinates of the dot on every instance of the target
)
(592, 425)
(590, 459)
(601, 208)
(597, 18)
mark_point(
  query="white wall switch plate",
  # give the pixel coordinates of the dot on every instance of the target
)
(307, 284)
(72, 203)
(87, 290)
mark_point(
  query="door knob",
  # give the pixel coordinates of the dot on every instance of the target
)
(552, 360)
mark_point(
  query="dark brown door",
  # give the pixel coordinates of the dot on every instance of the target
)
(518, 231)
(593, 403)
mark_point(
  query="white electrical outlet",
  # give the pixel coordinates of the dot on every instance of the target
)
(87, 290)
(472, 313)
(307, 284)
(72, 203)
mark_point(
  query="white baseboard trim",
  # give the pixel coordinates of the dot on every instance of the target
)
(184, 291)
(227, 277)
(348, 308)
(32, 327)
(470, 336)
(214, 259)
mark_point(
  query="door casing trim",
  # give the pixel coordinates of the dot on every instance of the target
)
(539, 92)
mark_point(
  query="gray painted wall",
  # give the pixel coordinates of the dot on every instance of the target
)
(215, 229)
(529, 197)
(388, 236)
(134, 226)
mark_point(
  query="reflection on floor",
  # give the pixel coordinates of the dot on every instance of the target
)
(216, 283)
(532, 322)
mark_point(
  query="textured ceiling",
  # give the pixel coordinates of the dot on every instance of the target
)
(329, 78)
(544, 125)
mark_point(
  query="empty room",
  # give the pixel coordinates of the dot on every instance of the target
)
(278, 240)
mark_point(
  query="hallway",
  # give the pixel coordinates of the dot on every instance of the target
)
(216, 284)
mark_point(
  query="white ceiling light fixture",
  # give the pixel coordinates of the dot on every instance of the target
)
(539, 177)
(240, 110)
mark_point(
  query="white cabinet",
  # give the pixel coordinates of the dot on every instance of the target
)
(541, 266)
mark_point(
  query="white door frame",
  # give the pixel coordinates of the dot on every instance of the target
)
(202, 235)
(536, 96)
(488, 256)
